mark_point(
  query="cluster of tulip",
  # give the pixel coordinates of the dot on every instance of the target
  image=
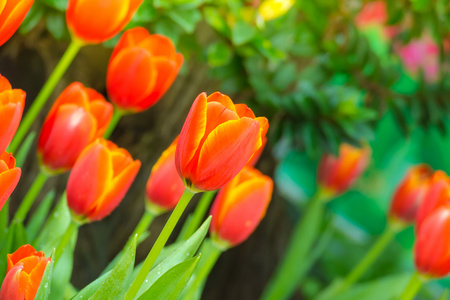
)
(74, 136)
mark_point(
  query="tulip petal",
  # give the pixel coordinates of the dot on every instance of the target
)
(225, 152)
(36, 277)
(23, 252)
(14, 285)
(102, 112)
(4, 83)
(244, 111)
(191, 134)
(130, 38)
(8, 182)
(11, 17)
(131, 77)
(222, 99)
(89, 178)
(72, 94)
(217, 114)
(11, 108)
(159, 45)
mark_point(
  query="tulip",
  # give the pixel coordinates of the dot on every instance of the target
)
(141, 69)
(240, 206)
(217, 140)
(257, 155)
(436, 196)
(79, 114)
(337, 174)
(432, 247)
(96, 21)
(12, 103)
(9, 176)
(12, 13)
(25, 269)
(99, 180)
(164, 186)
(409, 194)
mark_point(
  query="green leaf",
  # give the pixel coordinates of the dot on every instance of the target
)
(44, 290)
(22, 154)
(172, 283)
(219, 54)
(15, 238)
(182, 253)
(90, 289)
(60, 5)
(242, 33)
(216, 20)
(32, 18)
(4, 220)
(40, 215)
(115, 284)
(187, 19)
(56, 24)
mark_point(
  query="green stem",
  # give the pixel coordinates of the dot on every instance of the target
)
(210, 253)
(198, 215)
(29, 198)
(143, 225)
(414, 285)
(65, 239)
(159, 244)
(118, 114)
(45, 92)
(284, 282)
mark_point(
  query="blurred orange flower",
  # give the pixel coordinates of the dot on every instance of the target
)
(9, 176)
(12, 13)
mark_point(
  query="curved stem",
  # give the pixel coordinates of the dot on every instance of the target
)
(45, 92)
(159, 244)
(118, 114)
(70, 231)
(414, 285)
(198, 215)
(29, 198)
(210, 253)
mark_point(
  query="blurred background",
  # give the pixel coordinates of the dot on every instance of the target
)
(323, 72)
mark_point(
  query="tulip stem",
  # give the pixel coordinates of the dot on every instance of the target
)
(285, 280)
(414, 285)
(45, 93)
(210, 253)
(143, 225)
(65, 239)
(198, 215)
(159, 244)
(29, 198)
(118, 114)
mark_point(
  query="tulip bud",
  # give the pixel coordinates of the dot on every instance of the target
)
(432, 247)
(79, 114)
(337, 174)
(257, 155)
(141, 69)
(25, 269)
(240, 206)
(409, 194)
(12, 103)
(217, 140)
(96, 21)
(9, 176)
(12, 13)
(164, 186)
(436, 196)
(99, 180)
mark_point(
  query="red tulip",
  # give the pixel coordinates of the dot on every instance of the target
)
(24, 274)
(240, 206)
(96, 21)
(78, 116)
(409, 194)
(12, 13)
(337, 174)
(217, 140)
(164, 186)
(436, 196)
(141, 69)
(432, 247)
(9, 176)
(12, 103)
(100, 179)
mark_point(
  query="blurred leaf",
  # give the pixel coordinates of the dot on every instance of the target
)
(242, 33)
(22, 154)
(40, 215)
(216, 20)
(219, 54)
(187, 19)
(56, 24)
(172, 283)
(60, 5)
(33, 17)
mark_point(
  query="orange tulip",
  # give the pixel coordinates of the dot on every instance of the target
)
(12, 103)
(257, 155)
(12, 13)
(436, 196)
(24, 274)
(141, 69)
(409, 194)
(337, 174)
(217, 140)
(240, 206)
(164, 186)
(9, 176)
(100, 179)
(96, 21)
(79, 114)
(432, 247)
